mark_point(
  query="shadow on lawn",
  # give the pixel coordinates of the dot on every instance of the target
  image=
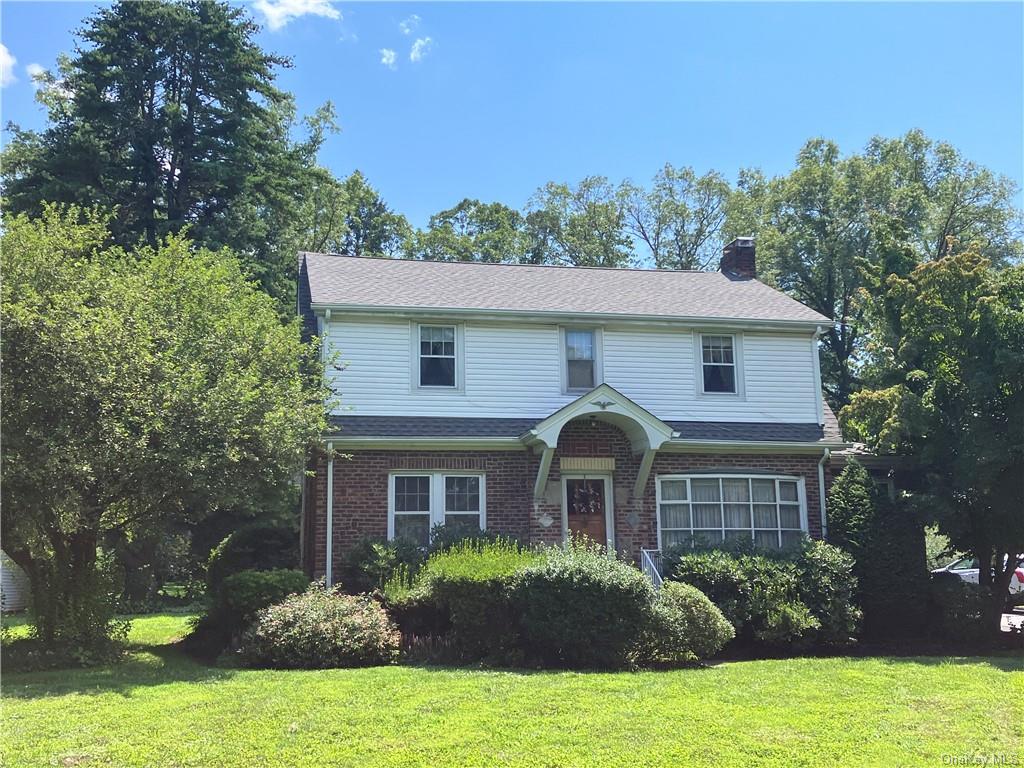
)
(145, 665)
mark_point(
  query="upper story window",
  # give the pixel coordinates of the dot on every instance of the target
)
(707, 510)
(438, 358)
(581, 356)
(718, 361)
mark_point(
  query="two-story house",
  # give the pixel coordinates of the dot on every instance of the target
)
(643, 408)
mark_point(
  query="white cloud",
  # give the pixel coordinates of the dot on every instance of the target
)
(277, 13)
(34, 71)
(406, 26)
(420, 49)
(388, 58)
(7, 63)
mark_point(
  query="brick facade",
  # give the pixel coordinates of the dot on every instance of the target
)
(361, 488)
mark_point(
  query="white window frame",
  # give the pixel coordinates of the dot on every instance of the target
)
(414, 346)
(563, 349)
(437, 495)
(801, 495)
(737, 363)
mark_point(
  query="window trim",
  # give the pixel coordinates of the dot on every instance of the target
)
(563, 357)
(737, 353)
(801, 495)
(460, 356)
(437, 494)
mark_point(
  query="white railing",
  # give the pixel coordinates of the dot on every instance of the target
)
(650, 564)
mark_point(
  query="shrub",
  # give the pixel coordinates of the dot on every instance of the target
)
(373, 562)
(243, 594)
(320, 629)
(444, 537)
(462, 590)
(258, 546)
(887, 542)
(791, 598)
(686, 625)
(582, 607)
(957, 610)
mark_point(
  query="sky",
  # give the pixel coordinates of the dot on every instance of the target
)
(441, 101)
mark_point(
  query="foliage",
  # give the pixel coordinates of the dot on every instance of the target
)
(679, 218)
(369, 228)
(253, 547)
(581, 606)
(158, 385)
(581, 225)
(957, 610)
(836, 226)
(243, 594)
(168, 112)
(686, 625)
(473, 231)
(372, 562)
(950, 391)
(320, 629)
(779, 599)
(937, 550)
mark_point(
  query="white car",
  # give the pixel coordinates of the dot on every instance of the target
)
(966, 568)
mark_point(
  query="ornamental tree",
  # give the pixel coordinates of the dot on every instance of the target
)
(141, 389)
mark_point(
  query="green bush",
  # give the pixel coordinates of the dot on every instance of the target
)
(887, 541)
(686, 625)
(320, 629)
(373, 562)
(957, 610)
(254, 547)
(794, 598)
(462, 590)
(582, 607)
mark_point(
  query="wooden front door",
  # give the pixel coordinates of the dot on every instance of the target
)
(586, 508)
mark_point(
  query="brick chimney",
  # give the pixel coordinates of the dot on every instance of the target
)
(738, 259)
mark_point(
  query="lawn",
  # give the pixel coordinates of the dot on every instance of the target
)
(160, 709)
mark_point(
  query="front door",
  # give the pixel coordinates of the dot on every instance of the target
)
(586, 508)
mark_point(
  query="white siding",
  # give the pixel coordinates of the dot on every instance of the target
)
(514, 371)
(14, 585)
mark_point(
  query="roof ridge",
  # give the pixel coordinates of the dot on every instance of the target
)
(648, 270)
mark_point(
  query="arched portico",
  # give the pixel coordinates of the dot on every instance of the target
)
(645, 431)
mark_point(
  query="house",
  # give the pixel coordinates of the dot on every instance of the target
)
(642, 408)
(15, 590)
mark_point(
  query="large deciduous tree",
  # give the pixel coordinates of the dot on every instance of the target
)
(948, 390)
(168, 114)
(473, 231)
(835, 226)
(581, 225)
(141, 388)
(679, 217)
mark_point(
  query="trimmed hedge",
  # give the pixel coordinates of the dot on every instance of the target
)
(320, 629)
(582, 607)
(686, 625)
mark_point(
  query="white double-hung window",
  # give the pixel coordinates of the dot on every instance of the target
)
(710, 509)
(417, 501)
(438, 356)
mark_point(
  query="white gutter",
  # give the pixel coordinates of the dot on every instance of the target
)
(702, 320)
(329, 568)
(821, 491)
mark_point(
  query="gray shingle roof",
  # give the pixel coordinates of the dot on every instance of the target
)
(397, 283)
(435, 426)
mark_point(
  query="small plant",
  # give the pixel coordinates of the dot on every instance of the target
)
(321, 629)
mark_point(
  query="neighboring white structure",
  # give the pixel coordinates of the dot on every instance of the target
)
(14, 587)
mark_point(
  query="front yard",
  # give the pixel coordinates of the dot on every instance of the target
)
(161, 709)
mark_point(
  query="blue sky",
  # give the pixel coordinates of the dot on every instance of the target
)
(504, 97)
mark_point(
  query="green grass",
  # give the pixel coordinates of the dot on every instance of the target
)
(160, 709)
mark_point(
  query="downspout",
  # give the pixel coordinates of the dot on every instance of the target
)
(826, 454)
(329, 568)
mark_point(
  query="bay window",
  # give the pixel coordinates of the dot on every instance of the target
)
(710, 509)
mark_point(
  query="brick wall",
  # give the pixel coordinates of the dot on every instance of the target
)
(361, 488)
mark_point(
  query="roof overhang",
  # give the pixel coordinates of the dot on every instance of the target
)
(604, 403)
(548, 316)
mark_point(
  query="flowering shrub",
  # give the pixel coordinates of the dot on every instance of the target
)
(320, 629)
